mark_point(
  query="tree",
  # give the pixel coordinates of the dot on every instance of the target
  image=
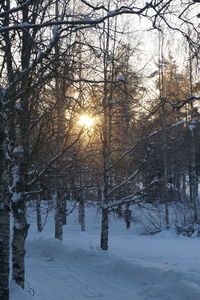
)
(4, 210)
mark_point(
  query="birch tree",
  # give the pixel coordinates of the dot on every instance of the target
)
(4, 209)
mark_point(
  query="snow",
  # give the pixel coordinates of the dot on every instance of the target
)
(178, 123)
(18, 106)
(111, 13)
(18, 225)
(191, 127)
(121, 78)
(18, 149)
(16, 197)
(163, 266)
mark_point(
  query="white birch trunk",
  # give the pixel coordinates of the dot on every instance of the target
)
(4, 207)
(106, 145)
(4, 233)
(4, 251)
(20, 228)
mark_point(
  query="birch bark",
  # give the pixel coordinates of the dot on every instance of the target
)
(4, 212)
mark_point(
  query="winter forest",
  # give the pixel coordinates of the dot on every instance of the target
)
(99, 149)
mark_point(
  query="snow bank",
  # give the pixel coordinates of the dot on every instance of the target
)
(19, 294)
(162, 267)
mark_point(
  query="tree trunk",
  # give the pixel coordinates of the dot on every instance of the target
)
(58, 217)
(119, 210)
(167, 215)
(193, 179)
(20, 231)
(19, 187)
(164, 136)
(104, 229)
(64, 210)
(4, 250)
(39, 215)
(193, 187)
(183, 188)
(4, 253)
(4, 211)
(128, 216)
(183, 198)
(20, 160)
(82, 213)
(107, 132)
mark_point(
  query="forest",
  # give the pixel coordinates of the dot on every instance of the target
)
(99, 107)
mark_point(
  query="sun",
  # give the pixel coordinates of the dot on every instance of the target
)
(86, 121)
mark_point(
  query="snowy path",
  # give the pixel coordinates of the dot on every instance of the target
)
(76, 274)
(162, 267)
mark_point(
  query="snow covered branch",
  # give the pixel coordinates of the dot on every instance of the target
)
(132, 198)
(181, 103)
(130, 177)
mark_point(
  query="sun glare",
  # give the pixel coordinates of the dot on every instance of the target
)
(86, 121)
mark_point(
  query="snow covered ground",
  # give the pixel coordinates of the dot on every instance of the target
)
(162, 266)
